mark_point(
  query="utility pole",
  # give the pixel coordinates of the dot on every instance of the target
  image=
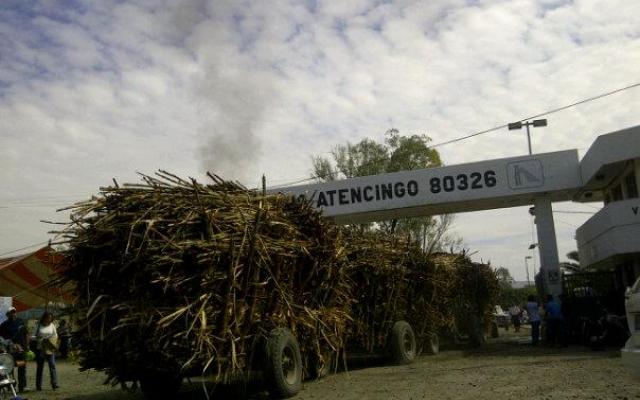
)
(536, 123)
(526, 267)
(547, 245)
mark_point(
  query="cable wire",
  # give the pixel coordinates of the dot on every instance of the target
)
(549, 112)
(24, 248)
(553, 111)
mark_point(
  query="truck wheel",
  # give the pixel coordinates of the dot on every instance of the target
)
(160, 386)
(402, 343)
(432, 344)
(283, 368)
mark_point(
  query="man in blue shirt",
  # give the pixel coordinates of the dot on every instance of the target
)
(555, 321)
(534, 318)
(15, 330)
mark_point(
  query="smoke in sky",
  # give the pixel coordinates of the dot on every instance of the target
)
(232, 107)
(232, 93)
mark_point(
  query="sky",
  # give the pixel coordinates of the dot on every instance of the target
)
(95, 90)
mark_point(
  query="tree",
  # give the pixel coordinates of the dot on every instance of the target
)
(504, 276)
(396, 153)
(574, 256)
(509, 296)
(573, 265)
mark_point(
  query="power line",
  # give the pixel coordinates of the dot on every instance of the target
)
(566, 223)
(549, 112)
(53, 197)
(553, 111)
(24, 248)
(56, 205)
(472, 135)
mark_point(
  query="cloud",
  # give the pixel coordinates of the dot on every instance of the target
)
(90, 91)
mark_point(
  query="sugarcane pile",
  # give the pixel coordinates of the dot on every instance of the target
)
(432, 294)
(172, 274)
(175, 274)
(378, 268)
(478, 288)
(393, 279)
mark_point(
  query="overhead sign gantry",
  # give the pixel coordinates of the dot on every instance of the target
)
(537, 179)
(500, 183)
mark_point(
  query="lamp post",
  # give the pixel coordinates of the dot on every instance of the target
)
(531, 247)
(526, 268)
(518, 125)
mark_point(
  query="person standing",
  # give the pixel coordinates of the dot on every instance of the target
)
(15, 330)
(534, 318)
(553, 314)
(47, 338)
(65, 338)
(515, 312)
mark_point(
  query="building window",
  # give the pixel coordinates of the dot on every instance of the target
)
(632, 187)
(616, 193)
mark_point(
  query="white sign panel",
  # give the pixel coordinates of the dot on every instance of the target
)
(5, 304)
(482, 185)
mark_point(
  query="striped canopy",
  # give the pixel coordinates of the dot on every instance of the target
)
(29, 279)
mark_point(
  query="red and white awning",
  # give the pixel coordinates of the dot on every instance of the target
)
(29, 279)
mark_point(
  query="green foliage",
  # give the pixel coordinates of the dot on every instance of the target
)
(508, 296)
(322, 169)
(410, 152)
(396, 153)
(504, 276)
(361, 159)
(573, 256)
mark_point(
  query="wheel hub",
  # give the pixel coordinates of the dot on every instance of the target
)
(288, 366)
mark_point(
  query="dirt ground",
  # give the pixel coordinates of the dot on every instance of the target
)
(507, 368)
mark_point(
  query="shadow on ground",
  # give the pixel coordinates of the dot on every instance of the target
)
(510, 350)
(512, 344)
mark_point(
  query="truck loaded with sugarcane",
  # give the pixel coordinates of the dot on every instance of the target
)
(174, 278)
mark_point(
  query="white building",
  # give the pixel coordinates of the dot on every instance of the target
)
(610, 240)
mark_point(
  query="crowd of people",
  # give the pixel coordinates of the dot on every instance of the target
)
(47, 342)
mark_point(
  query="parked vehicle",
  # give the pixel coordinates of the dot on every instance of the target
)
(502, 318)
(607, 329)
(7, 365)
(631, 350)
(593, 308)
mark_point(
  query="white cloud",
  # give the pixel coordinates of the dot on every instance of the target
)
(90, 92)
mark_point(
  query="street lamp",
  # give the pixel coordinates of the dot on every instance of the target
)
(526, 268)
(518, 125)
(533, 246)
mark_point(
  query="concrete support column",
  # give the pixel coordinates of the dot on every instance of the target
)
(549, 262)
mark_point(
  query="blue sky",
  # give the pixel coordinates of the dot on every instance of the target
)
(95, 90)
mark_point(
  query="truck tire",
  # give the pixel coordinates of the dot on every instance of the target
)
(432, 344)
(283, 367)
(160, 385)
(402, 343)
